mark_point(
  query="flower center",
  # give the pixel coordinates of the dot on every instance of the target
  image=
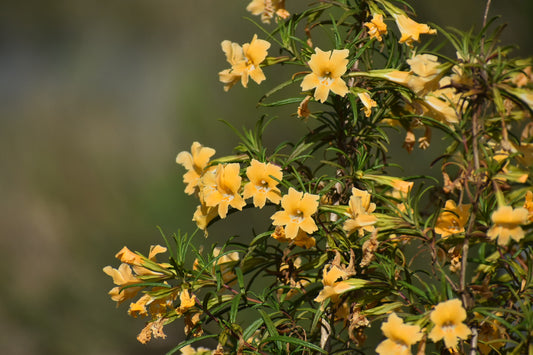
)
(263, 186)
(448, 327)
(325, 79)
(297, 217)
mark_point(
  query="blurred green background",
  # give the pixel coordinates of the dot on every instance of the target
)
(96, 100)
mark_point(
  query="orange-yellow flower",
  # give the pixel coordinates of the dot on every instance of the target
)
(410, 29)
(195, 162)
(245, 62)
(334, 285)
(297, 211)
(187, 301)
(203, 215)
(448, 319)
(426, 73)
(360, 210)
(400, 337)
(376, 27)
(226, 262)
(302, 239)
(507, 223)
(123, 276)
(267, 9)
(367, 102)
(452, 219)
(263, 181)
(228, 184)
(327, 67)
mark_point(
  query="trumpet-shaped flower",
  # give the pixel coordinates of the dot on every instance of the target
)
(448, 319)
(263, 181)
(302, 239)
(195, 162)
(507, 223)
(453, 219)
(376, 27)
(226, 262)
(123, 276)
(327, 67)
(245, 62)
(360, 210)
(334, 285)
(367, 102)
(267, 9)
(228, 183)
(297, 211)
(203, 215)
(400, 337)
(410, 29)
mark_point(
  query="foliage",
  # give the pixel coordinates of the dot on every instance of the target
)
(349, 245)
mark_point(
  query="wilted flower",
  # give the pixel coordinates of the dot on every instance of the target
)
(400, 337)
(303, 108)
(327, 67)
(226, 262)
(410, 29)
(297, 211)
(189, 350)
(263, 181)
(448, 318)
(528, 205)
(507, 223)
(244, 62)
(195, 162)
(367, 102)
(452, 219)
(267, 9)
(376, 27)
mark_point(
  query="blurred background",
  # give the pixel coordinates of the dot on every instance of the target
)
(96, 100)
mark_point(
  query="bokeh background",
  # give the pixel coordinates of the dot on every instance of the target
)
(96, 100)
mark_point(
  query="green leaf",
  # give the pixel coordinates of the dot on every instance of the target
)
(191, 341)
(295, 341)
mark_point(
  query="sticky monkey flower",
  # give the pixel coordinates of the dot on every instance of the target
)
(448, 318)
(267, 9)
(507, 223)
(263, 181)
(368, 103)
(452, 219)
(327, 67)
(400, 337)
(360, 211)
(296, 214)
(228, 183)
(245, 62)
(410, 29)
(376, 27)
(195, 162)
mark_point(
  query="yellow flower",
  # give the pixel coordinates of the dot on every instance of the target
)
(452, 220)
(400, 337)
(226, 263)
(267, 9)
(203, 215)
(123, 276)
(327, 67)
(411, 30)
(244, 62)
(186, 302)
(507, 223)
(195, 162)
(441, 110)
(360, 210)
(297, 211)
(262, 185)
(448, 319)
(333, 287)
(367, 102)
(228, 183)
(426, 72)
(302, 239)
(376, 27)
